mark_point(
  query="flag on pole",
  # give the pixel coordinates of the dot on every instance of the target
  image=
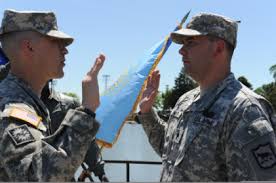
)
(121, 99)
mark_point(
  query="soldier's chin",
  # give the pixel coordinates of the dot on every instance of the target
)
(59, 75)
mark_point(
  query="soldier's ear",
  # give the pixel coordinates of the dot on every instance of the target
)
(219, 47)
(26, 46)
(30, 48)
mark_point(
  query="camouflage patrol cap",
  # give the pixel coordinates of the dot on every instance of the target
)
(42, 22)
(209, 24)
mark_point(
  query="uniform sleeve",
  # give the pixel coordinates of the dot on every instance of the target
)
(155, 129)
(251, 147)
(26, 155)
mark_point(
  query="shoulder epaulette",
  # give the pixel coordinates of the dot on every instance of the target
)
(22, 113)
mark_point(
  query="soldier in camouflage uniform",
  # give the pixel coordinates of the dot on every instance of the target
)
(220, 131)
(58, 104)
(28, 152)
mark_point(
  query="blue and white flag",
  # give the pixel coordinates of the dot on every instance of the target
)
(121, 99)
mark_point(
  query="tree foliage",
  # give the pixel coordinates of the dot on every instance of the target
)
(245, 81)
(272, 71)
(183, 84)
(71, 94)
(268, 91)
(168, 99)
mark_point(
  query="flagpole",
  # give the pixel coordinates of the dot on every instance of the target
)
(153, 68)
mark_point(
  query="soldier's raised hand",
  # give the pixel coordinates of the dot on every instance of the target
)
(90, 87)
(150, 93)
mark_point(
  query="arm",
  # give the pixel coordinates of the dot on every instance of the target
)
(155, 128)
(152, 124)
(251, 147)
(26, 155)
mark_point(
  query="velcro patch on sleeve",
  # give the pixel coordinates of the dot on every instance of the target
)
(22, 114)
(21, 135)
(265, 156)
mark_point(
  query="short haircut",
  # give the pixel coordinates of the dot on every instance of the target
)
(10, 42)
(230, 48)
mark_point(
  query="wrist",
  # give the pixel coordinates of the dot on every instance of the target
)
(87, 111)
(89, 106)
(144, 111)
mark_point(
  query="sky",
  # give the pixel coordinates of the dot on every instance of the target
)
(125, 29)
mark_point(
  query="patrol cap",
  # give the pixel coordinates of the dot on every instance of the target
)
(39, 21)
(209, 24)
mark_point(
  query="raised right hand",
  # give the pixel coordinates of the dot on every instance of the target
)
(90, 87)
(150, 93)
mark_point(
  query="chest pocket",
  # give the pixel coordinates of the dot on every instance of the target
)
(199, 136)
(174, 120)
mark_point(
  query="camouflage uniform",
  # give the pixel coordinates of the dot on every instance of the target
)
(27, 152)
(58, 104)
(225, 134)
(28, 149)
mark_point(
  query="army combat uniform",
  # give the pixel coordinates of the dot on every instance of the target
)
(228, 134)
(58, 104)
(27, 152)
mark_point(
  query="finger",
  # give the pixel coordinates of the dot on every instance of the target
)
(149, 82)
(152, 78)
(153, 95)
(156, 80)
(97, 65)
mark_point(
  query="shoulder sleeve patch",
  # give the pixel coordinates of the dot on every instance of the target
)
(251, 113)
(265, 156)
(21, 135)
(23, 114)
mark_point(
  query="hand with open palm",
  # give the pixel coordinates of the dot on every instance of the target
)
(150, 93)
(90, 87)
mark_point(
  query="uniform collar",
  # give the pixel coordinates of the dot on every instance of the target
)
(211, 95)
(27, 88)
(54, 95)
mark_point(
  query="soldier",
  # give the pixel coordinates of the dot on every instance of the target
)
(58, 104)
(220, 131)
(28, 152)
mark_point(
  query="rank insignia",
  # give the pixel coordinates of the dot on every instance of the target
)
(21, 135)
(265, 156)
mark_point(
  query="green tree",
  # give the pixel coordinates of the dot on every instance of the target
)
(244, 81)
(183, 84)
(268, 91)
(272, 71)
(158, 104)
(168, 99)
(71, 94)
